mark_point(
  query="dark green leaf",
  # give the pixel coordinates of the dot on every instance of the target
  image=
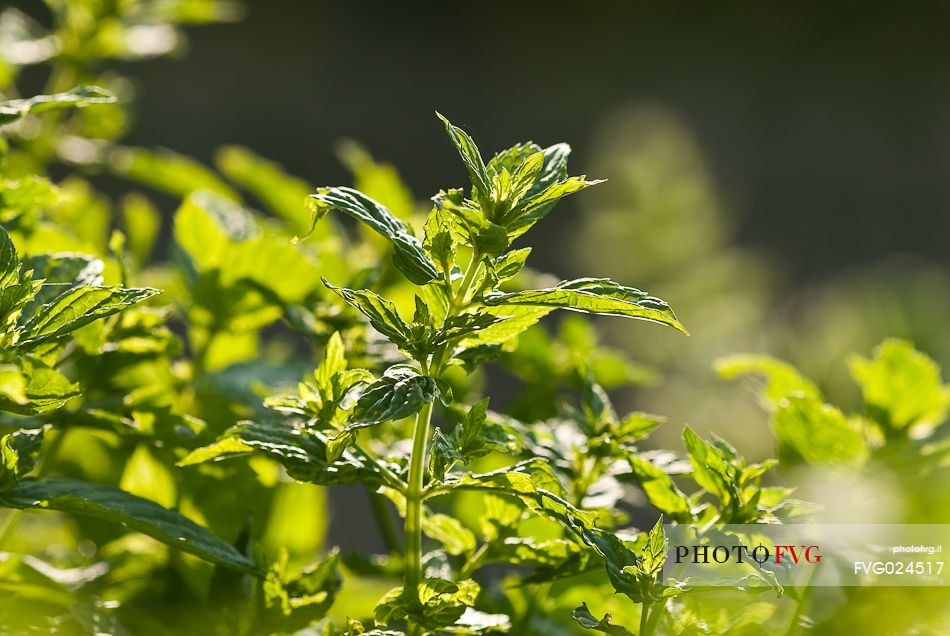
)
(583, 616)
(136, 514)
(408, 256)
(401, 392)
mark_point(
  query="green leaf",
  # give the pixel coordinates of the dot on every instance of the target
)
(442, 456)
(206, 226)
(9, 262)
(283, 194)
(302, 452)
(661, 490)
(712, 469)
(18, 452)
(46, 389)
(618, 558)
(902, 387)
(169, 172)
(401, 392)
(440, 603)
(819, 433)
(587, 620)
(136, 514)
(12, 385)
(595, 296)
(382, 313)
(477, 173)
(449, 531)
(514, 321)
(291, 606)
(635, 426)
(781, 378)
(531, 210)
(77, 308)
(546, 554)
(409, 257)
(654, 551)
(531, 481)
(478, 231)
(78, 97)
(510, 264)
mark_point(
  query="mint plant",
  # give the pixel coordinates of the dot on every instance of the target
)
(461, 315)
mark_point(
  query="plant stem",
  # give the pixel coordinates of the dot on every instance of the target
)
(415, 491)
(414, 499)
(644, 616)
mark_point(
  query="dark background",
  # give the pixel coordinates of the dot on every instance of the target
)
(826, 126)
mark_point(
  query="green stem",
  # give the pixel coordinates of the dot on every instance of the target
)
(644, 619)
(415, 491)
(414, 500)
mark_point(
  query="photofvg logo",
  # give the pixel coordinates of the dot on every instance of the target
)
(805, 554)
(761, 554)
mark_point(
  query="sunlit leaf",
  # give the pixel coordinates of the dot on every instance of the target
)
(595, 296)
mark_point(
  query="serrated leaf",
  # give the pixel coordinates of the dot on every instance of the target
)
(514, 320)
(532, 209)
(587, 620)
(18, 452)
(408, 255)
(78, 97)
(46, 389)
(401, 392)
(510, 264)
(9, 262)
(456, 538)
(477, 172)
(595, 296)
(711, 467)
(136, 514)
(440, 603)
(303, 453)
(661, 490)
(654, 551)
(382, 313)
